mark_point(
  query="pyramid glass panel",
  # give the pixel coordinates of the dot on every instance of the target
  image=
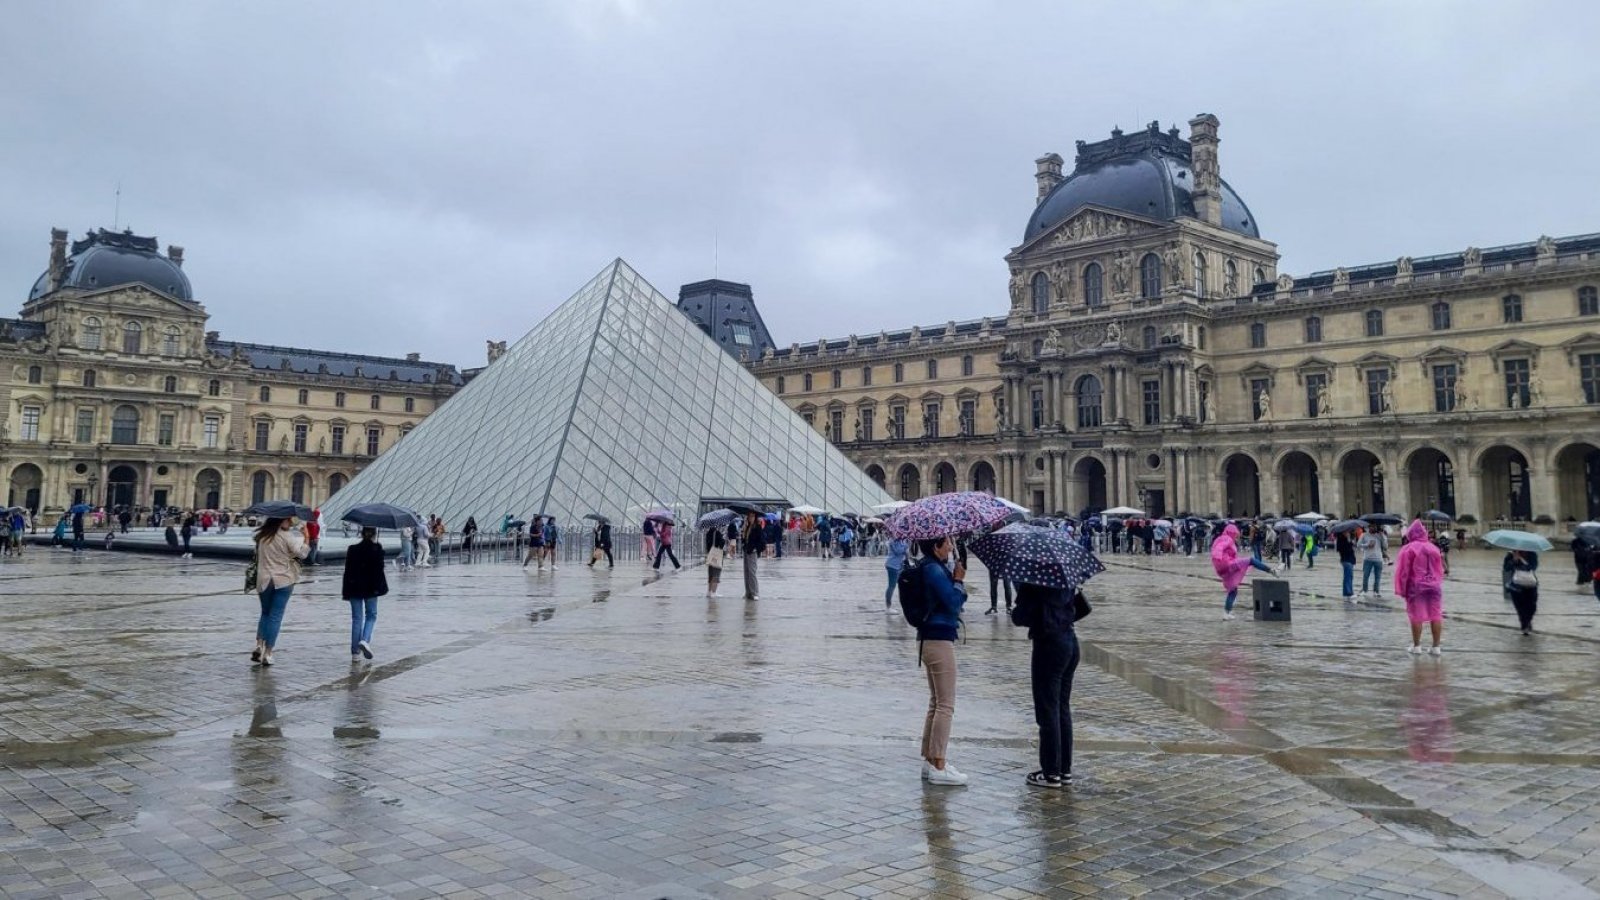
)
(613, 404)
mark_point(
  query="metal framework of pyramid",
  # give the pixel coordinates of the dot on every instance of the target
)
(617, 404)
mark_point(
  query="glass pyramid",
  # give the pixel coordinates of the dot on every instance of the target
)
(617, 404)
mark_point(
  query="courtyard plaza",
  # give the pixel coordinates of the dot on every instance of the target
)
(593, 733)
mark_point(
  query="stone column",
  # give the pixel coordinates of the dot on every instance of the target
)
(1542, 491)
(1271, 492)
(1467, 500)
(1061, 482)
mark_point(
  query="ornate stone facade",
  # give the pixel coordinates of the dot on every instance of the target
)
(115, 394)
(1163, 362)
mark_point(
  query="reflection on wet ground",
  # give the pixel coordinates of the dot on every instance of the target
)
(593, 734)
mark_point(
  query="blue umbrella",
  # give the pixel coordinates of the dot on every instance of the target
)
(1305, 528)
(1031, 555)
(383, 515)
(79, 508)
(1434, 515)
(279, 509)
(1506, 539)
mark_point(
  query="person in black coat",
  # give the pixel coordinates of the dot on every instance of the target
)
(602, 543)
(364, 583)
(1524, 597)
(1049, 614)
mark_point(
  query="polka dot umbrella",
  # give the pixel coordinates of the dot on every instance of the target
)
(960, 512)
(1032, 555)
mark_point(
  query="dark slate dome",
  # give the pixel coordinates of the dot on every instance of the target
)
(106, 259)
(1146, 173)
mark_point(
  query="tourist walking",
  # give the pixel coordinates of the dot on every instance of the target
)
(825, 536)
(552, 540)
(946, 594)
(602, 544)
(1419, 581)
(313, 536)
(469, 533)
(436, 532)
(995, 582)
(1373, 546)
(716, 554)
(647, 540)
(187, 533)
(754, 544)
(847, 540)
(279, 549)
(535, 551)
(1287, 538)
(407, 548)
(1345, 546)
(1231, 567)
(1311, 548)
(1049, 615)
(364, 583)
(77, 528)
(895, 562)
(1517, 576)
(664, 548)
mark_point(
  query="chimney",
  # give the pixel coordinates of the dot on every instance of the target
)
(413, 357)
(58, 256)
(175, 253)
(1048, 174)
(1207, 173)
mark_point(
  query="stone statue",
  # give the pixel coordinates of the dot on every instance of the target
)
(927, 422)
(497, 349)
(1386, 396)
(950, 331)
(1173, 259)
(767, 353)
(1264, 404)
(1010, 352)
(283, 444)
(883, 339)
(1230, 280)
(1114, 333)
(1018, 284)
(1324, 401)
(229, 442)
(1121, 272)
(916, 334)
(1545, 249)
(1208, 407)
(1061, 280)
(852, 344)
(66, 334)
(1463, 399)
(1515, 400)
(1285, 283)
(1535, 390)
(1052, 341)
(322, 445)
(858, 429)
(744, 354)
(1472, 258)
(999, 413)
(1341, 279)
(827, 430)
(1402, 269)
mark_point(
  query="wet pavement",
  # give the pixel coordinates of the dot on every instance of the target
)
(606, 734)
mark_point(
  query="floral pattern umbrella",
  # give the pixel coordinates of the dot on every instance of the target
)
(942, 515)
(1032, 555)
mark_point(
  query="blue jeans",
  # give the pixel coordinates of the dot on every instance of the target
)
(1372, 568)
(405, 554)
(894, 580)
(273, 603)
(1349, 578)
(1255, 563)
(361, 624)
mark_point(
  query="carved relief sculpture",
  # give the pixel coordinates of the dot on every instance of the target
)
(1545, 249)
(1324, 402)
(1472, 258)
(1535, 390)
(1113, 333)
(1285, 283)
(858, 429)
(999, 413)
(1052, 341)
(1264, 403)
(1386, 396)
(1230, 279)
(1018, 283)
(1121, 272)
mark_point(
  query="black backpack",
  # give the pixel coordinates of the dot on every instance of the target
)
(916, 603)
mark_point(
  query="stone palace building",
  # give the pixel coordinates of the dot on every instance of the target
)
(117, 395)
(1154, 356)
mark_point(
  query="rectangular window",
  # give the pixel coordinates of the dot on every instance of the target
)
(1511, 308)
(899, 373)
(338, 399)
(837, 378)
(338, 439)
(85, 428)
(30, 423)
(1314, 330)
(969, 417)
(741, 334)
(166, 426)
(375, 401)
(1444, 387)
(1377, 381)
(933, 369)
(779, 391)
(836, 420)
(805, 381)
(930, 420)
(1589, 376)
(966, 366)
(1316, 384)
(411, 404)
(897, 422)
(372, 441)
(1517, 371)
(1588, 301)
(1374, 323)
(303, 397)
(263, 436)
(1441, 316)
(1258, 336)
(213, 427)
(1258, 386)
(810, 418)
(866, 424)
(1036, 408)
(866, 376)
(301, 430)
(1151, 391)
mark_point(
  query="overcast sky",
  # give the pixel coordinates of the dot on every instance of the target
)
(395, 176)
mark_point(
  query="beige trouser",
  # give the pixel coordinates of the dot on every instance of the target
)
(939, 658)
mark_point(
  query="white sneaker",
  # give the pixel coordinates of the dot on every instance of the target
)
(1228, 616)
(1414, 650)
(926, 768)
(1436, 650)
(553, 567)
(946, 775)
(1277, 570)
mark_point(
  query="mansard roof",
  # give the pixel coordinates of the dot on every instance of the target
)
(266, 357)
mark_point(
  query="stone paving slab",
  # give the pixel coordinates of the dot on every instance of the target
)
(609, 734)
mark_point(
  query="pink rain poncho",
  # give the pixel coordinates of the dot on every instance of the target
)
(1226, 560)
(1419, 568)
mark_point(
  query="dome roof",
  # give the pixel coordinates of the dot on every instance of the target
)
(106, 259)
(1146, 173)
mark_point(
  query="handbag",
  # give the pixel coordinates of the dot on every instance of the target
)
(1524, 578)
(595, 555)
(1080, 606)
(252, 573)
(714, 557)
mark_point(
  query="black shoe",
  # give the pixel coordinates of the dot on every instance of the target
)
(989, 612)
(1040, 779)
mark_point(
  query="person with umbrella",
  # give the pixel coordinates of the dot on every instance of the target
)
(602, 541)
(716, 553)
(279, 549)
(754, 543)
(1419, 581)
(1287, 539)
(1344, 542)
(364, 583)
(535, 549)
(825, 536)
(1585, 543)
(78, 509)
(647, 540)
(943, 581)
(1231, 567)
(1518, 571)
(664, 545)
(1373, 546)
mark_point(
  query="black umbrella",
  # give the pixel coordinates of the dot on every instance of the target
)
(1346, 526)
(383, 515)
(1382, 519)
(280, 509)
(1031, 555)
(1434, 515)
(741, 507)
(596, 516)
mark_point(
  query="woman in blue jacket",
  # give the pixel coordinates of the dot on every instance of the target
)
(937, 637)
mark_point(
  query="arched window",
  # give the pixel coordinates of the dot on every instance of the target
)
(35, 374)
(1313, 329)
(1088, 402)
(1261, 275)
(1149, 337)
(1588, 301)
(1041, 293)
(125, 425)
(1199, 274)
(1230, 279)
(214, 388)
(1150, 276)
(1441, 316)
(91, 333)
(1093, 284)
(266, 394)
(1258, 335)
(297, 487)
(170, 339)
(170, 384)
(1374, 323)
(88, 378)
(132, 334)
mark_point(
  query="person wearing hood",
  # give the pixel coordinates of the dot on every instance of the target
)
(469, 532)
(1419, 581)
(1230, 566)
